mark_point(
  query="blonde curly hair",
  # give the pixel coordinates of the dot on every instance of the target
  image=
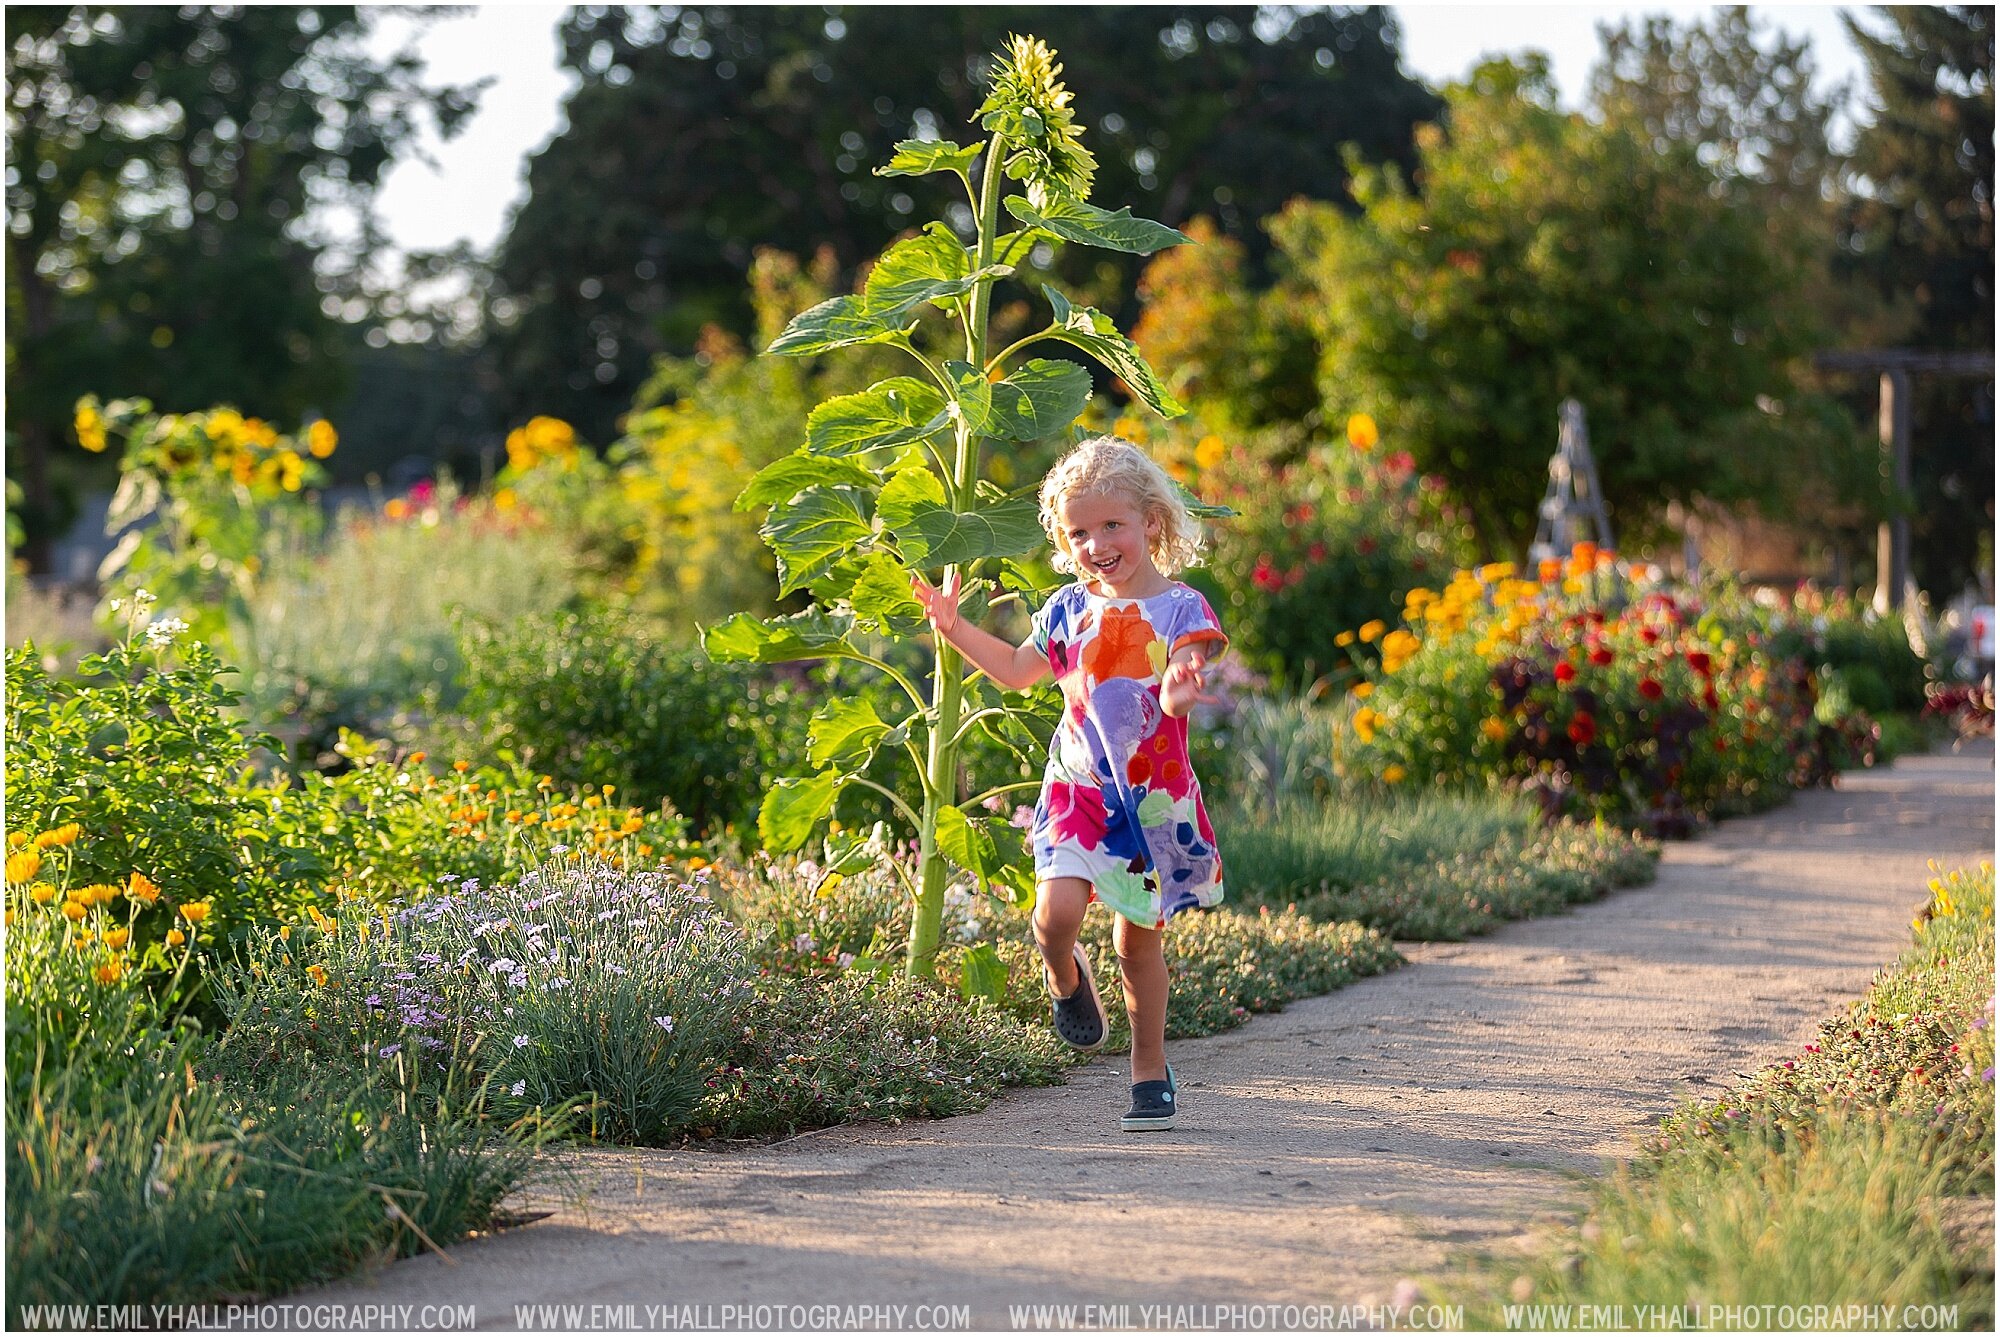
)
(1111, 466)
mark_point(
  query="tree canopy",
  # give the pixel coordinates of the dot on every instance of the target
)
(1549, 255)
(701, 133)
(162, 163)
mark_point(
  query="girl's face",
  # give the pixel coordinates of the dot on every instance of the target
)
(1111, 540)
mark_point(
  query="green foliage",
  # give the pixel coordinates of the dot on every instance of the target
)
(594, 291)
(578, 984)
(134, 1176)
(163, 166)
(596, 696)
(1551, 256)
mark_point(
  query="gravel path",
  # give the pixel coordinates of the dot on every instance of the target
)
(1323, 1152)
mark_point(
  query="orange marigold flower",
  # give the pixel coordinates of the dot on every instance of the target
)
(141, 888)
(195, 911)
(175, 937)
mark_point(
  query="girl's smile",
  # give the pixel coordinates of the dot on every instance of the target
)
(1112, 542)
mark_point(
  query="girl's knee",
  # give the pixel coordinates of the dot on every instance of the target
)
(1135, 944)
(1059, 906)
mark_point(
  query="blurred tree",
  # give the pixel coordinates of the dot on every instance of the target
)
(1920, 228)
(1550, 256)
(161, 165)
(1744, 99)
(701, 133)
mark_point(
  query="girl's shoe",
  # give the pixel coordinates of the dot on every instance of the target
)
(1079, 1018)
(1153, 1105)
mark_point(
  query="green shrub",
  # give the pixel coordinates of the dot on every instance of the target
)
(135, 1175)
(863, 1045)
(594, 695)
(580, 984)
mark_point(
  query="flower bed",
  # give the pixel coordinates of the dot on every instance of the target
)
(1600, 691)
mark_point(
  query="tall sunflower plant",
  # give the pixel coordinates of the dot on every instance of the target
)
(890, 481)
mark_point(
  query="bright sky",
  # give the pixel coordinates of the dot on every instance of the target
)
(480, 176)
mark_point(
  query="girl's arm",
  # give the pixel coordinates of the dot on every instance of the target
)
(1013, 667)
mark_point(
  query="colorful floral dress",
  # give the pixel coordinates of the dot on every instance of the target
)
(1120, 806)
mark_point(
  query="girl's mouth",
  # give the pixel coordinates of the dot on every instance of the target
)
(1106, 566)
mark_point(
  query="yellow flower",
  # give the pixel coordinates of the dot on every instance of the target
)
(321, 439)
(1372, 629)
(1365, 721)
(396, 509)
(62, 835)
(318, 974)
(504, 499)
(1363, 690)
(285, 932)
(1345, 638)
(42, 892)
(1393, 773)
(141, 888)
(175, 937)
(696, 864)
(291, 470)
(115, 938)
(1493, 727)
(110, 972)
(23, 865)
(1209, 452)
(1362, 433)
(74, 910)
(16, 839)
(195, 911)
(90, 427)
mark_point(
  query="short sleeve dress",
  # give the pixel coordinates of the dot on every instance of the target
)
(1120, 805)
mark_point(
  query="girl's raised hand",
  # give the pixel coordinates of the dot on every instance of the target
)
(940, 605)
(1180, 686)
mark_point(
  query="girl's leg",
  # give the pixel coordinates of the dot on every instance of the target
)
(1059, 906)
(1143, 963)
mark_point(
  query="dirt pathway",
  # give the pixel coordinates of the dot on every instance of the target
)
(1323, 1152)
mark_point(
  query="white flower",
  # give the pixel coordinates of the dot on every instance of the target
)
(558, 849)
(665, 1023)
(519, 1088)
(845, 960)
(520, 1042)
(505, 965)
(804, 943)
(165, 630)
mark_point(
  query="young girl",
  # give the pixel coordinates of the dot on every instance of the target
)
(1120, 818)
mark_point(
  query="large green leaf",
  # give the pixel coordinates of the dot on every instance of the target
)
(933, 535)
(793, 807)
(1042, 397)
(919, 157)
(1074, 220)
(890, 413)
(745, 638)
(836, 323)
(881, 596)
(904, 492)
(786, 477)
(843, 734)
(982, 974)
(814, 530)
(975, 394)
(966, 843)
(1204, 510)
(929, 267)
(1093, 332)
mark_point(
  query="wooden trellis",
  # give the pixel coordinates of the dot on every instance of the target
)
(1573, 508)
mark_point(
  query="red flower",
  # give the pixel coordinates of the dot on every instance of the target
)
(1565, 671)
(1265, 577)
(1650, 689)
(1649, 636)
(1600, 656)
(1699, 661)
(1317, 552)
(1582, 729)
(1709, 697)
